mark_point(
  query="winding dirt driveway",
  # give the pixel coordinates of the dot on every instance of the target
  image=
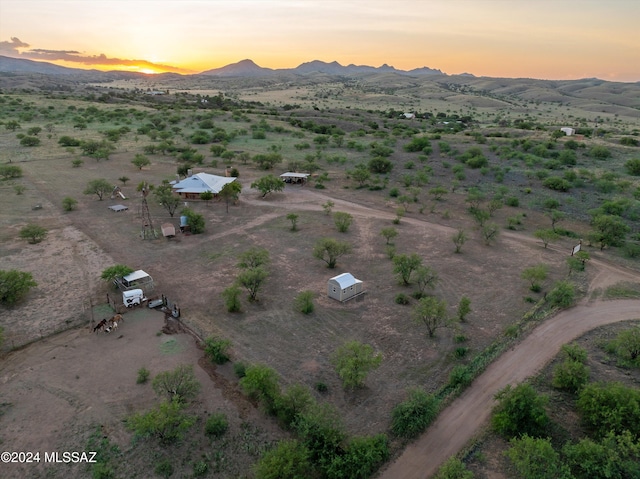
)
(458, 423)
(462, 419)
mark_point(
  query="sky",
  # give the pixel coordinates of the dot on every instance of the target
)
(547, 39)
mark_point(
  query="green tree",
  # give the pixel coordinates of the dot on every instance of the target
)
(288, 460)
(535, 458)
(304, 302)
(216, 349)
(230, 192)
(166, 421)
(426, 278)
(113, 272)
(610, 408)
(14, 285)
(10, 171)
(432, 312)
(328, 206)
(253, 258)
(615, 456)
(252, 280)
(30, 141)
(217, 424)
(459, 238)
(179, 385)
(260, 382)
(342, 221)
(69, 204)
(520, 410)
(404, 265)
(294, 221)
(535, 275)
(361, 458)
(464, 308)
(266, 161)
(490, 231)
(322, 431)
(33, 233)
(562, 295)
(361, 175)
(570, 375)
(627, 345)
(556, 217)
(268, 184)
(206, 196)
(124, 180)
(194, 220)
(329, 250)
(412, 416)
(609, 230)
(546, 236)
(389, 234)
(231, 297)
(353, 362)
(167, 198)
(295, 400)
(98, 187)
(438, 192)
(140, 161)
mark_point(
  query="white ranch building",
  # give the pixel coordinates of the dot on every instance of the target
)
(344, 287)
(190, 188)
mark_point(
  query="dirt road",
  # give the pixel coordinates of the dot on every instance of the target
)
(459, 422)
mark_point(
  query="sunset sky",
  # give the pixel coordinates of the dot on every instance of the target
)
(563, 39)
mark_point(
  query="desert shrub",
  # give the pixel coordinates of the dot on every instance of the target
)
(633, 166)
(600, 152)
(411, 417)
(453, 468)
(380, 165)
(460, 352)
(288, 460)
(629, 141)
(167, 422)
(321, 431)
(520, 410)
(260, 382)
(626, 346)
(304, 302)
(231, 297)
(512, 201)
(33, 233)
(239, 369)
(321, 387)
(69, 204)
(361, 458)
(402, 298)
(342, 221)
(574, 352)
(216, 425)
(216, 349)
(610, 408)
(143, 376)
(460, 376)
(562, 295)
(570, 375)
(179, 385)
(615, 456)
(293, 402)
(557, 183)
(14, 285)
(535, 458)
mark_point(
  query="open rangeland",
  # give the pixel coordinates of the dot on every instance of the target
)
(81, 397)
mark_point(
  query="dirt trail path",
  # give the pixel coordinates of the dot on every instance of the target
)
(461, 420)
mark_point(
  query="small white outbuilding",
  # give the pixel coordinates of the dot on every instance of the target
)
(344, 286)
(568, 131)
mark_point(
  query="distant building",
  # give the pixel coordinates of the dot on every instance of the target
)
(291, 177)
(568, 131)
(344, 286)
(190, 188)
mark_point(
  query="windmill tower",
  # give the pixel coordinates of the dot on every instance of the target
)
(148, 232)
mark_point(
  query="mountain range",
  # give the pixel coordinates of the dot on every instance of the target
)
(244, 68)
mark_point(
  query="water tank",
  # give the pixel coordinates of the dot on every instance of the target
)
(183, 221)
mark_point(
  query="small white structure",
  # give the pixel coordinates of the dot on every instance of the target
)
(568, 131)
(191, 187)
(133, 297)
(136, 280)
(292, 177)
(344, 287)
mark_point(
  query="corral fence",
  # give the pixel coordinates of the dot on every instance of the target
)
(17, 339)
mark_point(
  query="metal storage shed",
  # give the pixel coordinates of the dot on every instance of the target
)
(344, 287)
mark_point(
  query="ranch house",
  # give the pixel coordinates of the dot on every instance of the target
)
(190, 188)
(344, 287)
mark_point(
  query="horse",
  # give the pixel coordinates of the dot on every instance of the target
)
(101, 325)
(113, 323)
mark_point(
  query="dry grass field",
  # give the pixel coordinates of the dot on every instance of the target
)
(194, 270)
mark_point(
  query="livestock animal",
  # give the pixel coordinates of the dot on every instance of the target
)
(113, 323)
(101, 325)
